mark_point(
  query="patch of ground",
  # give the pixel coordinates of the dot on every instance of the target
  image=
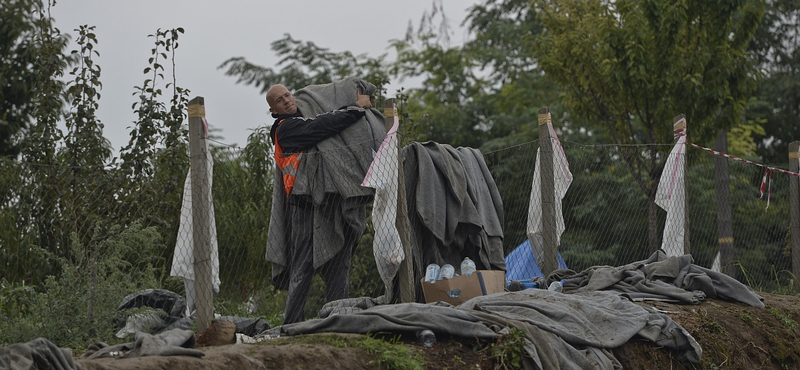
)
(732, 335)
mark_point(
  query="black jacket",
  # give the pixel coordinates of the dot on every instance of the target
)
(297, 133)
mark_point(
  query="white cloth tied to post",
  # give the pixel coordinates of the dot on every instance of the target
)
(382, 176)
(562, 180)
(183, 258)
(671, 197)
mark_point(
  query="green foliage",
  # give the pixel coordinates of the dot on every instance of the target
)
(305, 63)
(31, 61)
(245, 198)
(79, 305)
(16, 299)
(85, 144)
(776, 47)
(631, 66)
(391, 355)
(509, 349)
(785, 319)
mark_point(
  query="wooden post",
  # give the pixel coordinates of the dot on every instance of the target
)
(549, 261)
(406, 273)
(724, 220)
(201, 222)
(794, 207)
(679, 128)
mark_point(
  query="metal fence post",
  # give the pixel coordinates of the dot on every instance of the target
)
(201, 223)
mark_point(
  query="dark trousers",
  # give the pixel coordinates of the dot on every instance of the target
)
(335, 272)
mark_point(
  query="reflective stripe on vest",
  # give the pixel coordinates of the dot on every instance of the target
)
(287, 163)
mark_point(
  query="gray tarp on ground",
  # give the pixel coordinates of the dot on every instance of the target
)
(331, 175)
(674, 279)
(454, 207)
(39, 353)
(563, 331)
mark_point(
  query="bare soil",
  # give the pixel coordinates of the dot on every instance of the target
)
(732, 335)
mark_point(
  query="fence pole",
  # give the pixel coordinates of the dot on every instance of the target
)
(794, 196)
(549, 261)
(201, 222)
(406, 273)
(724, 221)
(679, 127)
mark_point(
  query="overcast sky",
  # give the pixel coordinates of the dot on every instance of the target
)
(218, 30)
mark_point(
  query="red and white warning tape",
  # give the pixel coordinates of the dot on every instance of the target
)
(767, 170)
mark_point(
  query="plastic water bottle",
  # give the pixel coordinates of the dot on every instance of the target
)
(426, 338)
(556, 286)
(448, 271)
(467, 267)
(432, 273)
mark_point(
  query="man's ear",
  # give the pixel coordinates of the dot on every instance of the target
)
(271, 110)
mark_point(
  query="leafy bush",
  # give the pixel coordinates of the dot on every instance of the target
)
(78, 307)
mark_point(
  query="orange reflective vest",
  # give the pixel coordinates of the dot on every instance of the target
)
(287, 163)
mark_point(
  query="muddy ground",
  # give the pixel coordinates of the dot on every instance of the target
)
(733, 336)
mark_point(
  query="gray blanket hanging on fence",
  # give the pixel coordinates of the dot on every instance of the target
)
(331, 174)
(454, 206)
(675, 279)
(562, 331)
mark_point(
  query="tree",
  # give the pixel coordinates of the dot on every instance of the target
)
(28, 50)
(305, 63)
(777, 106)
(631, 66)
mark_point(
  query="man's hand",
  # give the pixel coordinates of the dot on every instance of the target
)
(363, 101)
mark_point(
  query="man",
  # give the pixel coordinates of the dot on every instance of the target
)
(293, 134)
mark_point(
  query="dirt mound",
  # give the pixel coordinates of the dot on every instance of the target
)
(732, 335)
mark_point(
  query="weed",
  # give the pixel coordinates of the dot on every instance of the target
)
(785, 319)
(745, 316)
(509, 350)
(390, 354)
(713, 327)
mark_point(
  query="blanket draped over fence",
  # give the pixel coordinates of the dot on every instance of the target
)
(330, 176)
(454, 207)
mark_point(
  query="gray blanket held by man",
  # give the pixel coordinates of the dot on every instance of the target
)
(330, 175)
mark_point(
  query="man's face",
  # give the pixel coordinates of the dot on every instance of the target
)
(280, 100)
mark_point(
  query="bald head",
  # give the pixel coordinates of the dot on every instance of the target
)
(280, 100)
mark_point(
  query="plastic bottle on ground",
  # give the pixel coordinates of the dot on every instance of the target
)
(556, 286)
(448, 271)
(426, 338)
(432, 273)
(467, 267)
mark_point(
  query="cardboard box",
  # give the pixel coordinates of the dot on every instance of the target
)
(461, 288)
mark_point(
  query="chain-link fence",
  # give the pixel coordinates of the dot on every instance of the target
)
(108, 232)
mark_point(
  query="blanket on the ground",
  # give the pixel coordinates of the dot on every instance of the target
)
(675, 279)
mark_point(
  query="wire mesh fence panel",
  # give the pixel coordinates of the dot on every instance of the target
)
(80, 240)
(759, 221)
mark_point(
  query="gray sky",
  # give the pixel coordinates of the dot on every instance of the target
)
(218, 30)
